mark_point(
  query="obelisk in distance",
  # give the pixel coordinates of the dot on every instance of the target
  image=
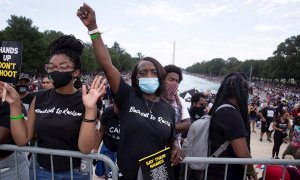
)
(173, 58)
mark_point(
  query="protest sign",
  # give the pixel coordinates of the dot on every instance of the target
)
(10, 60)
(157, 166)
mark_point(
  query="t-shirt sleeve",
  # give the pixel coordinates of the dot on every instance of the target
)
(4, 116)
(123, 93)
(185, 113)
(231, 122)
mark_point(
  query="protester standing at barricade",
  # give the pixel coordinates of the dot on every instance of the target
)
(109, 132)
(147, 123)
(198, 106)
(61, 118)
(281, 126)
(8, 167)
(231, 124)
(182, 117)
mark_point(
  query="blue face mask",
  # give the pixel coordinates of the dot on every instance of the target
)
(148, 85)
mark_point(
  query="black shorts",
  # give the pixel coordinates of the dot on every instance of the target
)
(265, 126)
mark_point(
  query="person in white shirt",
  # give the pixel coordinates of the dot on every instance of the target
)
(182, 120)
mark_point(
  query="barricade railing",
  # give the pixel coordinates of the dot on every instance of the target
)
(243, 161)
(186, 161)
(65, 153)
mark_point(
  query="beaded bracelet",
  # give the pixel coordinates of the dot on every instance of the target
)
(89, 120)
(19, 117)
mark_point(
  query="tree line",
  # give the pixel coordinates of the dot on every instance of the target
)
(283, 66)
(35, 47)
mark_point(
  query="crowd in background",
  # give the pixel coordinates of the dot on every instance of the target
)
(149, 116)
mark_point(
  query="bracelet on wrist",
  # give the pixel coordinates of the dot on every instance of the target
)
(94, 36)
(19, 117)
(93, 31)
(89, 120)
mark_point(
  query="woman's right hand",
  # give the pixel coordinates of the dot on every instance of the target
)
(87, 16)
(12, 96)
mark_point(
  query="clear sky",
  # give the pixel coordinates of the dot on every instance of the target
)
(202, 29)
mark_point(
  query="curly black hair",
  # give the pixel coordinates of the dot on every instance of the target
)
(196, 97)
(70, 46)
(172, 68)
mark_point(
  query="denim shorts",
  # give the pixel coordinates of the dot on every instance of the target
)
(45, 174)
(102, 169)
(9, 170)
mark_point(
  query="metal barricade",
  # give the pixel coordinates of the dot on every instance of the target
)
(66, 153)
(242, 161)
(186, 161)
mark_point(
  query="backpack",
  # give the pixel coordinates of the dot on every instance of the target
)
(197, 143)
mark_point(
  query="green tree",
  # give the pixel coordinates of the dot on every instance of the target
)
(51, 35)
(34, 45)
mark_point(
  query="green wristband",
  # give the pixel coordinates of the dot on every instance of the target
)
(94, 36)
(13, 118)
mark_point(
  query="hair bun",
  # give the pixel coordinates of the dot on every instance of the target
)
(66, 42)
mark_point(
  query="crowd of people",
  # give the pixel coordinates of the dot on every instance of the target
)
(132, 117)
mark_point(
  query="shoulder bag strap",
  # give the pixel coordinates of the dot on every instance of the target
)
(224, 146)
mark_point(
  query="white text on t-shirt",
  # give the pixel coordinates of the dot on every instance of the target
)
(55, 110)
(149, 116)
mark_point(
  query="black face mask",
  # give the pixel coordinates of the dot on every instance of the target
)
(60, 79)
(198, 112)
(21, 88)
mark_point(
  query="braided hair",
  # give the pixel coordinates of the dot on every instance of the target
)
(234, 85)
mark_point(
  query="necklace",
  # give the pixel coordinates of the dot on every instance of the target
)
(150, 109)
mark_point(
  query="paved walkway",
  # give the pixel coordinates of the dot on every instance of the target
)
(263, 149)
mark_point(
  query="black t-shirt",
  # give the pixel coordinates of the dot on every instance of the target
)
(27, 101)
(227, 124)
(57, 125)
(282, 125)
(142, 133)
(5, 122)
(268, 113)
(111, 122)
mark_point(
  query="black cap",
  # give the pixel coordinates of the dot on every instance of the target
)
(25, 77)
